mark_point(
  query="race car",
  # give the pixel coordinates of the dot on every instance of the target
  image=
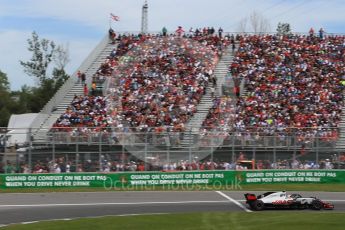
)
(281, 200)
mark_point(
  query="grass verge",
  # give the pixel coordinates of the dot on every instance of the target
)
(201, 221)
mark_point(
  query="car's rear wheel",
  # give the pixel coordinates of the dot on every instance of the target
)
(316, 205)
(258, 205)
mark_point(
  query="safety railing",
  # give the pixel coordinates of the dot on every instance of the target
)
(207, 136)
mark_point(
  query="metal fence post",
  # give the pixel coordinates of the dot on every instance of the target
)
(100, 152)
(293, 138)
(233, 148)
(190, 154)
(274, 152)
(76, 157)
(254, 154)
(145, 152)
(122, 154)
(53, 149)
(317, 151)
(190, 146)
(168, 155)
(30, 153)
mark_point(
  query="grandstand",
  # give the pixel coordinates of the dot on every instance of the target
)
(162, 99)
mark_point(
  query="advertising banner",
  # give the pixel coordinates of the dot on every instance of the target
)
(137, 179)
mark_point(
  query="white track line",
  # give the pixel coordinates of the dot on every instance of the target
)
(83, 217)
(96, 204)
(234, 201)
(30, 222)
(334, 200)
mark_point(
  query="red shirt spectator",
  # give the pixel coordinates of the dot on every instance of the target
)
(179, 31)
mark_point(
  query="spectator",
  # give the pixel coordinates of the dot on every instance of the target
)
(321, 32)
(179, 31)
(79, 76)
(212, 91)
(112, 35)
(311, 32)
(83, 78)
(214, 80)
(86, 90)
(164, 31)
(191, 31)
(93, 88)
(237, 91)
(220, 32)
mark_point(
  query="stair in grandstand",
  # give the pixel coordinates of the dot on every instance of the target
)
(243, 90)
(63, 98)
(194, 124)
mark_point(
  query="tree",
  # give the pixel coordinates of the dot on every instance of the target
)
(61, 59)
(25, 100)
(5, 116)
(242, 26)
(283, 29)
(16, 102)
(257, 22)
(254, 21)
(42, 55)
(59, 78)
(5, 99)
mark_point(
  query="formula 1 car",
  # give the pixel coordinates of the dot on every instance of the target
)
(281, 200)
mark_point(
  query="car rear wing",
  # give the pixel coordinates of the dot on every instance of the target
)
(250, 197)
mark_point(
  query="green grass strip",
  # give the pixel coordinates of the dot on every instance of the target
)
(293, 220)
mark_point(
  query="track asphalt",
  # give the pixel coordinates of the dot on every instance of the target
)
(31, 207)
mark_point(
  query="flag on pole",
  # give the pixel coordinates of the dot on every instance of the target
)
(114, 17)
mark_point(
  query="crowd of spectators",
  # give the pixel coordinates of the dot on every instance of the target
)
(294, 86)
(216, 126)
(162, 79)
(83, 113)
(294, 83)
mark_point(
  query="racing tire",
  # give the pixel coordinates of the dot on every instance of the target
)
(258, 205)
(316, 205)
